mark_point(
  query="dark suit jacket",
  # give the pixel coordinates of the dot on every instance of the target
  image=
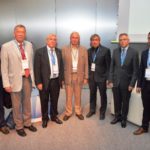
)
(42, 66)
(126, 74)
(143, 65)
(102, 64)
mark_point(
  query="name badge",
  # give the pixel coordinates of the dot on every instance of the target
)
(147, 73)
(93, 67)
(55, 69)
(74, 66)
(25, 64)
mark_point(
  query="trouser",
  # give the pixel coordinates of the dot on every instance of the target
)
(73, 89)
(21, 104)
(93, 96)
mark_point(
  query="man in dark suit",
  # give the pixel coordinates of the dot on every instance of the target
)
(99, 62)
(143, 86)
(3, 127)
(123, 76)
(48, 69)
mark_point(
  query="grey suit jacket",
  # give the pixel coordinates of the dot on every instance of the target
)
(11, 65)
(126, 74)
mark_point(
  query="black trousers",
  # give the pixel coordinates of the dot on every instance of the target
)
(146, 105)
(121, 102)
(2, 120)
(52, 95)
(93, 96)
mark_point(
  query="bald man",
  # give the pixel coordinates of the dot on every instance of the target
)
(48, 67)
(75, 60)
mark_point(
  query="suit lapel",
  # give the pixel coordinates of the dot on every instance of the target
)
(46, 58)
(119, 56)
(16, 50)
(58, 57)
(127, 55)
(146, 57)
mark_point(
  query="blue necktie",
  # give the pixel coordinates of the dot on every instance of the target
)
(123, 55)
(52, 57)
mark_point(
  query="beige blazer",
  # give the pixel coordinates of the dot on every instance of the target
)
(82, 68)
(11, 65)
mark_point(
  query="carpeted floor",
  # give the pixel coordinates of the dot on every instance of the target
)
(74, 134)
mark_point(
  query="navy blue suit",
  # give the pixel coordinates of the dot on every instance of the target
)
(145, 92)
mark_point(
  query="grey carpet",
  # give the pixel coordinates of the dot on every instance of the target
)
(74, 134)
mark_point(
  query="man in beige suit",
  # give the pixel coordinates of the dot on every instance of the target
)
(75, 74)
(17, 76)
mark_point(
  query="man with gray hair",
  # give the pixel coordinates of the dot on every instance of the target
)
(18, 79)
(48, 70)
(75, 74)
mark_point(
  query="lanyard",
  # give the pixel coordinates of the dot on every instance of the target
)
(94, 57)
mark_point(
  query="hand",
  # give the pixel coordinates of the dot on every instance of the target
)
(40, 86)
(109, 84)
(85, 81)
(138, 90)
(27, 73)
(8, 89)
(130, 88)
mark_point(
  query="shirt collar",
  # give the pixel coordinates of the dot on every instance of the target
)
(125, 48)
(48, 48)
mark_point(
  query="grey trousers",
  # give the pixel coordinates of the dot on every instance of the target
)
(21, 105)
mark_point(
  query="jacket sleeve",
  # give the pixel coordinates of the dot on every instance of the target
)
(37, 67)
(135, 69)
(4, 67)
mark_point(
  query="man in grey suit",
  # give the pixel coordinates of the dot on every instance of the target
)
(17, 76)
(123, 76)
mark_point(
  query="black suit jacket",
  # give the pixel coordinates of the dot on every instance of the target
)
(143, 65)
(126, 74)
(42, 67)
(102, 64)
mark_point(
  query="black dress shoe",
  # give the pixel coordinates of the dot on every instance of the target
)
(57, 120)
(115, 120)
(4, 130)
(65, 118)
(44, 124)
(80, 117)
(102, 117)
(21, 132)
(31, 128)
(123, 123)
(90, 114)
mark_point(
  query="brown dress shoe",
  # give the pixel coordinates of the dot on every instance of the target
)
(4, 130)
(81, 117)
(140, 131)
(66, 117)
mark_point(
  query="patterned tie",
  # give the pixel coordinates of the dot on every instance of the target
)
(27, 71)
(123, 55)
